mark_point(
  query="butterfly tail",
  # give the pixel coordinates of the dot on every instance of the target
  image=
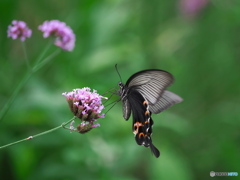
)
(154, 150)
(145, 140)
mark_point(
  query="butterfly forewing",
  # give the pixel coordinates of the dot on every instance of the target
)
(150, 83)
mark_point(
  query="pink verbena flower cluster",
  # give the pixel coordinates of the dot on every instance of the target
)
(65, 38)
(19, 29)
(85, 105)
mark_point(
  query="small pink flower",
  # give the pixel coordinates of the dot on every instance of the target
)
(19, 29)
(87, 106)
(86, 126)
(65, 38)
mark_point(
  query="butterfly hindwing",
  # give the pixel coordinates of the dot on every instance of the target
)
(142, 121)
(166, 100)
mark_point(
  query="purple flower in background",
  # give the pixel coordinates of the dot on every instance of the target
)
(19, 29)
(65, 38)
(85, 105)
(192, 7)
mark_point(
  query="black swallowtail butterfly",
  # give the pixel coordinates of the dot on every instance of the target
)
(145, 93)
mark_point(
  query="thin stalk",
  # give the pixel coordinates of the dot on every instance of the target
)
(43, 53)
(40, 134)
(8, 104)
(25, 54)
(46, 60)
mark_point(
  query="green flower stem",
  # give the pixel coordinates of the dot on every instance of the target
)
(43, 53)
(44, 61)
(25, 54)
(40, 64)
(40, 134)
(6, 107)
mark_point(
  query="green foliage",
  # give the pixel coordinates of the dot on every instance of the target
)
(197, 136)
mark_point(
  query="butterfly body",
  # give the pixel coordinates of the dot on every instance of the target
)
(143, 94)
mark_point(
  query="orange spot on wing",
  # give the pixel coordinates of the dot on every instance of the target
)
(138, 124)
(141, 134)
(145, 102)
(147, 113)
(136, 127)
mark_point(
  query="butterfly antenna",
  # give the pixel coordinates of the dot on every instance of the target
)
(118, 72)
(113, 93)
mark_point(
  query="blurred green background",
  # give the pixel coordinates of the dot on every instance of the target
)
(199, 43)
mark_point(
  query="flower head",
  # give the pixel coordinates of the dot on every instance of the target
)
(85, 105)
(19, 29)
(65, 38)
